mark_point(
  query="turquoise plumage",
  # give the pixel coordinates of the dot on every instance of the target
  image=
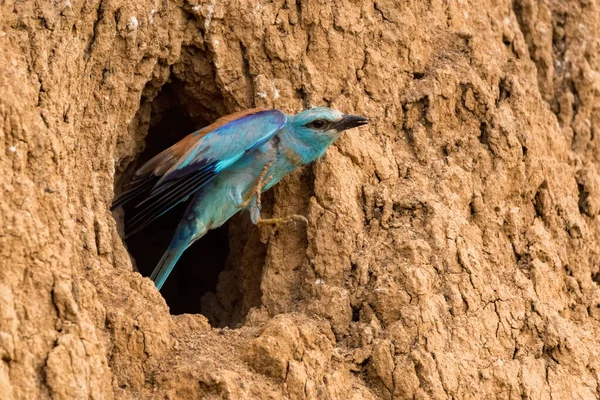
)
(224, 168)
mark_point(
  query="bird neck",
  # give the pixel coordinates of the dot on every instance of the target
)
(304, 143)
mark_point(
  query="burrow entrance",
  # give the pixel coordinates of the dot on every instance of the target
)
(216, 276)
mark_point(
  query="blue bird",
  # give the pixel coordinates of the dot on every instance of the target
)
(225, 167)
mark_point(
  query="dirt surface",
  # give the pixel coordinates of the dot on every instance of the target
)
(452, 245)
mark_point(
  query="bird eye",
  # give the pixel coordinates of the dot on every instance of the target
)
(317, 124)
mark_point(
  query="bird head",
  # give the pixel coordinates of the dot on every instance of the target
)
(319, 127)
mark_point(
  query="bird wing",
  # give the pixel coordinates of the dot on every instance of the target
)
(146, 177)
(179, 171)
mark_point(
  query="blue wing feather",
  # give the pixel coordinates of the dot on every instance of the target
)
(201, 163)
(229, 142)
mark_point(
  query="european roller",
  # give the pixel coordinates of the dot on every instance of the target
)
(225, 167)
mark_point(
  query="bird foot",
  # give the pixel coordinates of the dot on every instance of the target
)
(253, 200)
(281, 220)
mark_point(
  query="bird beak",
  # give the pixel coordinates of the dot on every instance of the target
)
(349, 121)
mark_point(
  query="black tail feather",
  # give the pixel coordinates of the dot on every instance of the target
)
(138, 188)
(164, 199)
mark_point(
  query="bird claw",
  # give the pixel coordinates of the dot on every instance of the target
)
(281, 221)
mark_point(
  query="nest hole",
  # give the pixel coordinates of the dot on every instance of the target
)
(209, 278)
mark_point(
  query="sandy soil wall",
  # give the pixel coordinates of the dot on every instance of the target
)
(452, 245)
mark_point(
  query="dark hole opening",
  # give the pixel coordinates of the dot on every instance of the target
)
(197, 271)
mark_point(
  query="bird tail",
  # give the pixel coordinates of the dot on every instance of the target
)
(165, 265)
(188, 231)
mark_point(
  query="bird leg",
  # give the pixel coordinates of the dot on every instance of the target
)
(281, 220)
(253, 197)
(256, 190)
